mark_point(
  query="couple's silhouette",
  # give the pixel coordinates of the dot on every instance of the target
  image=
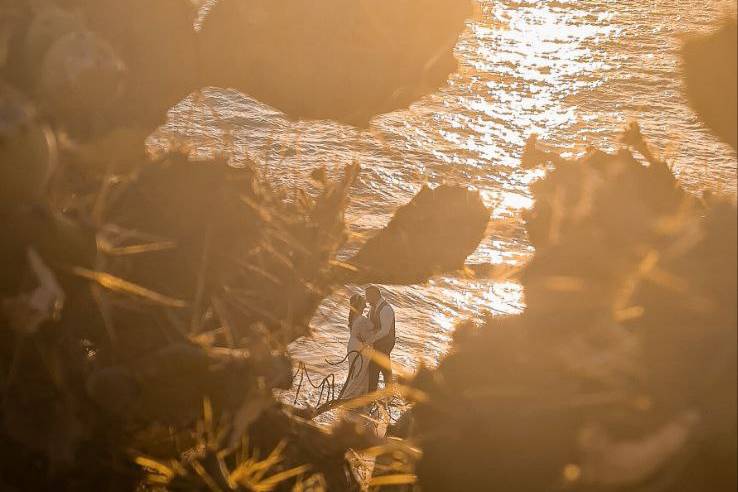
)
(376, 331)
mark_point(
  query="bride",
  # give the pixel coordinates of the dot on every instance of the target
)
(362, 331)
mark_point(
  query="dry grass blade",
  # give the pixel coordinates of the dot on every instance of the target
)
(406, 392)
(207, 412)
(117, 284)
(628, 314)
(274, 457)
(286, 261)
(393, 444)
(263, 273)
(250, 471)
(136, 249)
(400, 479)
(343, 265)
(263, 212)
(205, 476)
(253, 308)
(288, 239)
(254, 404)
(274, 480)
(313, 483)
(162, 471)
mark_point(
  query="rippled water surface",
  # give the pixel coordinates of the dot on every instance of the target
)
(574, 72)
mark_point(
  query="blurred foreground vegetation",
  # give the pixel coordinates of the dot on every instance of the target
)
(147, 302)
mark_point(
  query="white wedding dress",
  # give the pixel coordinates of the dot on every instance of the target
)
(362, 332)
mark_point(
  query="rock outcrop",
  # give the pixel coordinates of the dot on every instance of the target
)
(434, 233)
(333, 59)
(710, 74)
(621, 373)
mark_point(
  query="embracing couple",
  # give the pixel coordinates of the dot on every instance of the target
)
(375, 330)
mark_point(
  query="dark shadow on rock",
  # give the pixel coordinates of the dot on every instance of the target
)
(432, 234)
(333, 59)
(711, 76)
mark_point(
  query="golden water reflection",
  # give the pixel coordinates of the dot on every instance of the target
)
(574, 72)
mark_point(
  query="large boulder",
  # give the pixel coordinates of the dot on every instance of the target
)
(333, 59)
(432, 234)
(711, 77)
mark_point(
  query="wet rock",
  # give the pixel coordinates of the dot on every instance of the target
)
(432, 234)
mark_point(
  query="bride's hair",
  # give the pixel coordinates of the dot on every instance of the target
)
(356, 308)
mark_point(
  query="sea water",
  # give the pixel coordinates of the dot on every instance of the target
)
(574, 72)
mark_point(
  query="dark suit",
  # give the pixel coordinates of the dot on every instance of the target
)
(383, 345)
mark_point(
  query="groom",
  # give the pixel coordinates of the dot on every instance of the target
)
(383, 317)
